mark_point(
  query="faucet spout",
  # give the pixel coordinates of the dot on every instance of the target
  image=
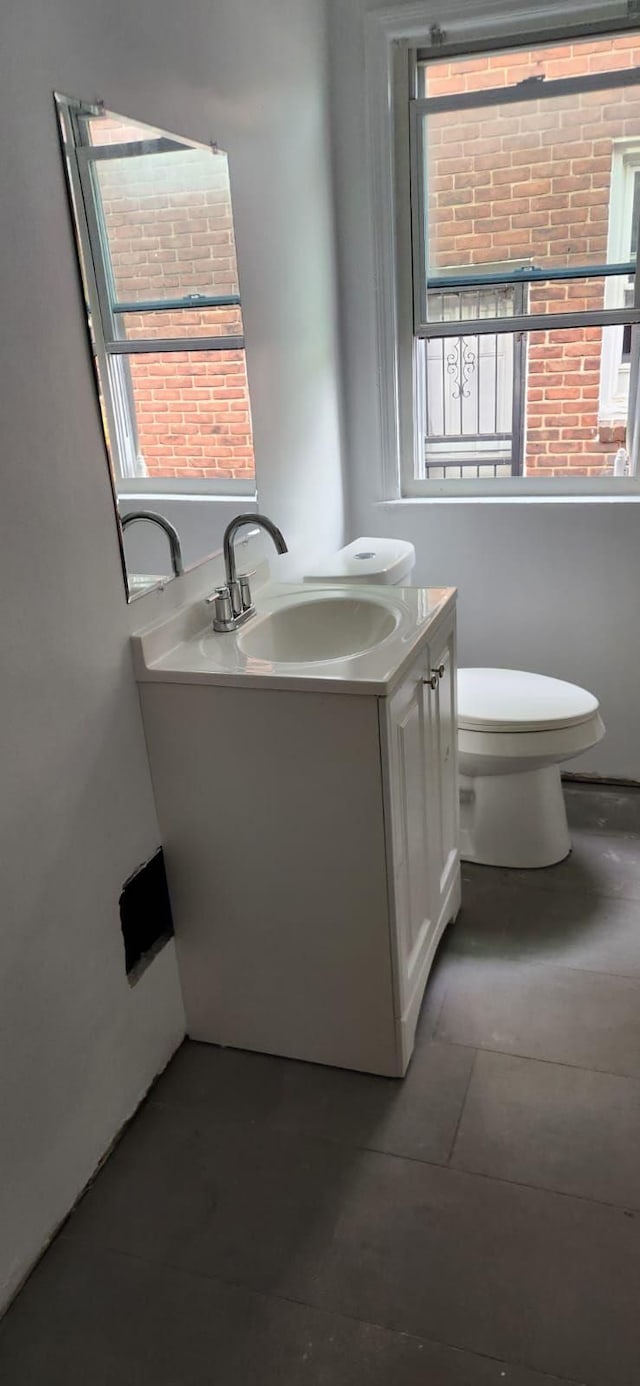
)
(262, 522)
(233, 604)
(171, 533)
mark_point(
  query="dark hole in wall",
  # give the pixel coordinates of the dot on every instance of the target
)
(145, 915)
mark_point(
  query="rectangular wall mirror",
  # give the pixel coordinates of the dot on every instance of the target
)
(155, 239)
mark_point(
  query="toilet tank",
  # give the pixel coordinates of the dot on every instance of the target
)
(366, 560)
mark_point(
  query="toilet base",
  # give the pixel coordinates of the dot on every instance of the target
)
(514, 820)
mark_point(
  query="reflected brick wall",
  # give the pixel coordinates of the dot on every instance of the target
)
(170, 232)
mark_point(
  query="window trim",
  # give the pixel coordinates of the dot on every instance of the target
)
(107, 347)
(388, 35)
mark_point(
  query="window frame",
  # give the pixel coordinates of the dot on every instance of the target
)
(625, 170)
(389, 34)
(111, 350)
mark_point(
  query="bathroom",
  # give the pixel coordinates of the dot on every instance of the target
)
(545, 583)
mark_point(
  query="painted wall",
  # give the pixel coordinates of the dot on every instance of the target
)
(546, 586)
(80, 1047)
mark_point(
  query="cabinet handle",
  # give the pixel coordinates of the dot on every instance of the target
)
(436, 674)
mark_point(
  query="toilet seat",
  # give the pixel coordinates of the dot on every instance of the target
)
(500, 753)
(518, 703)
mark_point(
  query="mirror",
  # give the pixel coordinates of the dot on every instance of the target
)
(154, 233)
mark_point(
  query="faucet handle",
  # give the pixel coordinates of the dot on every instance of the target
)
(223, 609)
(245, 591)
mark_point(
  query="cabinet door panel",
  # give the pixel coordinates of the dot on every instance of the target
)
(408, 769)
(443, 767)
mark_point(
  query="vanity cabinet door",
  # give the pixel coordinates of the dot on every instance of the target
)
(443, 767)
(419, 762)
(405, 730)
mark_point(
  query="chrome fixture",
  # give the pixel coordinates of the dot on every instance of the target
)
(232, 603)
(436, 675)
(171, 533)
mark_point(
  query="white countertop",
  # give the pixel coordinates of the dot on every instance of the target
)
(185, 649)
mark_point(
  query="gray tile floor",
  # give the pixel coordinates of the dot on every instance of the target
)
(269, 1223)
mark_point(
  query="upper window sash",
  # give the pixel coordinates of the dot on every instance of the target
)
(113, 311)
(427, 278)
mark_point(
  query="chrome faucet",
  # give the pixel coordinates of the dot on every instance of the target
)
(171, 533)
(232, 603)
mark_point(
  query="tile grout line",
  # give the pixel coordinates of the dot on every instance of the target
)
(445, 1164)
(629, 1210)
(535, 1059)
(523, 960)
(624, 1208)
(463, 1104)
(554, 1063)
(279, 1297)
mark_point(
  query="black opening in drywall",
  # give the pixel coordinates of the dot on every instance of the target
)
(145, 915)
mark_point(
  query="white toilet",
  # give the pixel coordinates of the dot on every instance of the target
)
(514, 730)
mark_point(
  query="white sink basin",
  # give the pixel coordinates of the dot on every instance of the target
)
(314, 631)
(302, 638)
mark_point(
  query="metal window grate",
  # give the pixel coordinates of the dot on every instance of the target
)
(475, 386)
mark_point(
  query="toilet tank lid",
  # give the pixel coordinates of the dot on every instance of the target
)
(366, 560)
(514, 700)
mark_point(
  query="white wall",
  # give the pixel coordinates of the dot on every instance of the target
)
(80, 1047)
(551, 587)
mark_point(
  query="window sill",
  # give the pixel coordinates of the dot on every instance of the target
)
(604, 498)
(200, 497)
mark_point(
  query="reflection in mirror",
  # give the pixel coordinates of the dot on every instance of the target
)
(154, 231)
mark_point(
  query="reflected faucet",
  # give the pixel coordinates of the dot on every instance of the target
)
(232, 603)
(171, 533)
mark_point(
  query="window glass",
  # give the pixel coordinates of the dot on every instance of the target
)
(508, 404)
(191, 414)
(524, 182)
(167, 225)
(152, 325)
(550, 61)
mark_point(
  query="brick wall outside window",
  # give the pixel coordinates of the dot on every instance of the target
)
(532, 182)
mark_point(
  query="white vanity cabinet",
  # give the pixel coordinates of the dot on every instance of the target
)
(311, 848)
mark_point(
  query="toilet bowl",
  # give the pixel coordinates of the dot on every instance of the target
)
(514, 731)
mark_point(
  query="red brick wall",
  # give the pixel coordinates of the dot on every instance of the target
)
(533, 180)
(170, 231)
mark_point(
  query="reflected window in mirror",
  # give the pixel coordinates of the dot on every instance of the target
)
(154, 228)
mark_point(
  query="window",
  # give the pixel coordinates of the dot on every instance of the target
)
(523, 181)
(156, 230)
